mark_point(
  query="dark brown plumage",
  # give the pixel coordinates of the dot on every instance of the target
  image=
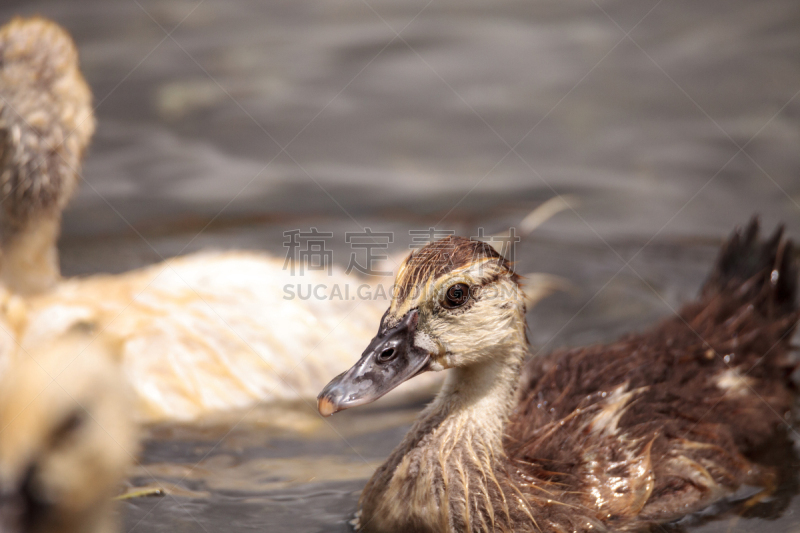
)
(617, 437)
(707, 389)
(46, 123)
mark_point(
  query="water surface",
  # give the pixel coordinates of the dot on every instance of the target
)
(669, 121)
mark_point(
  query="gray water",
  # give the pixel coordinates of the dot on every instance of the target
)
(669, 122)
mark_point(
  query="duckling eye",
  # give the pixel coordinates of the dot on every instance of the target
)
(456, 296)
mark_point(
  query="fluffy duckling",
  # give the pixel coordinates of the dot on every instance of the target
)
(46, 122)
(67, 437)
(617, 437)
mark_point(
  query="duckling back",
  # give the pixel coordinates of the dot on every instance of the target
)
(46, 123)
(664, 423)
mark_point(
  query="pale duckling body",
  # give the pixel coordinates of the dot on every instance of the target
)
(617, 437)
(67, 437)
(207, 332)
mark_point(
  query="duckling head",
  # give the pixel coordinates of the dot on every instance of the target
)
(456, 303)
(46, 123)
(66, 439)
(46, 118)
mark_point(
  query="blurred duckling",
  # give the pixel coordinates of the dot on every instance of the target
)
(46, 122)
(67, 437)
(605, 438)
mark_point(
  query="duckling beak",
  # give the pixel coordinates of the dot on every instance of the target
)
(390, 359)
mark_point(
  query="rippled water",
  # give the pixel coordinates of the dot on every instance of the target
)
(288, 114)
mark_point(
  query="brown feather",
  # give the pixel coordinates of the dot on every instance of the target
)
(705, 389)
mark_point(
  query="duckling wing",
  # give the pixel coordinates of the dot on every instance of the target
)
(664, 423)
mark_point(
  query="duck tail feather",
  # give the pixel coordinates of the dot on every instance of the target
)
(764, 272)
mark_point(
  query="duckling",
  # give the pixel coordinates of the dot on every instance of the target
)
(618, 437)
(46, 123)
(67, 437)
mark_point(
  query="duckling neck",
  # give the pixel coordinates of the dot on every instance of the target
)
(479, 397)
(448, 473)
